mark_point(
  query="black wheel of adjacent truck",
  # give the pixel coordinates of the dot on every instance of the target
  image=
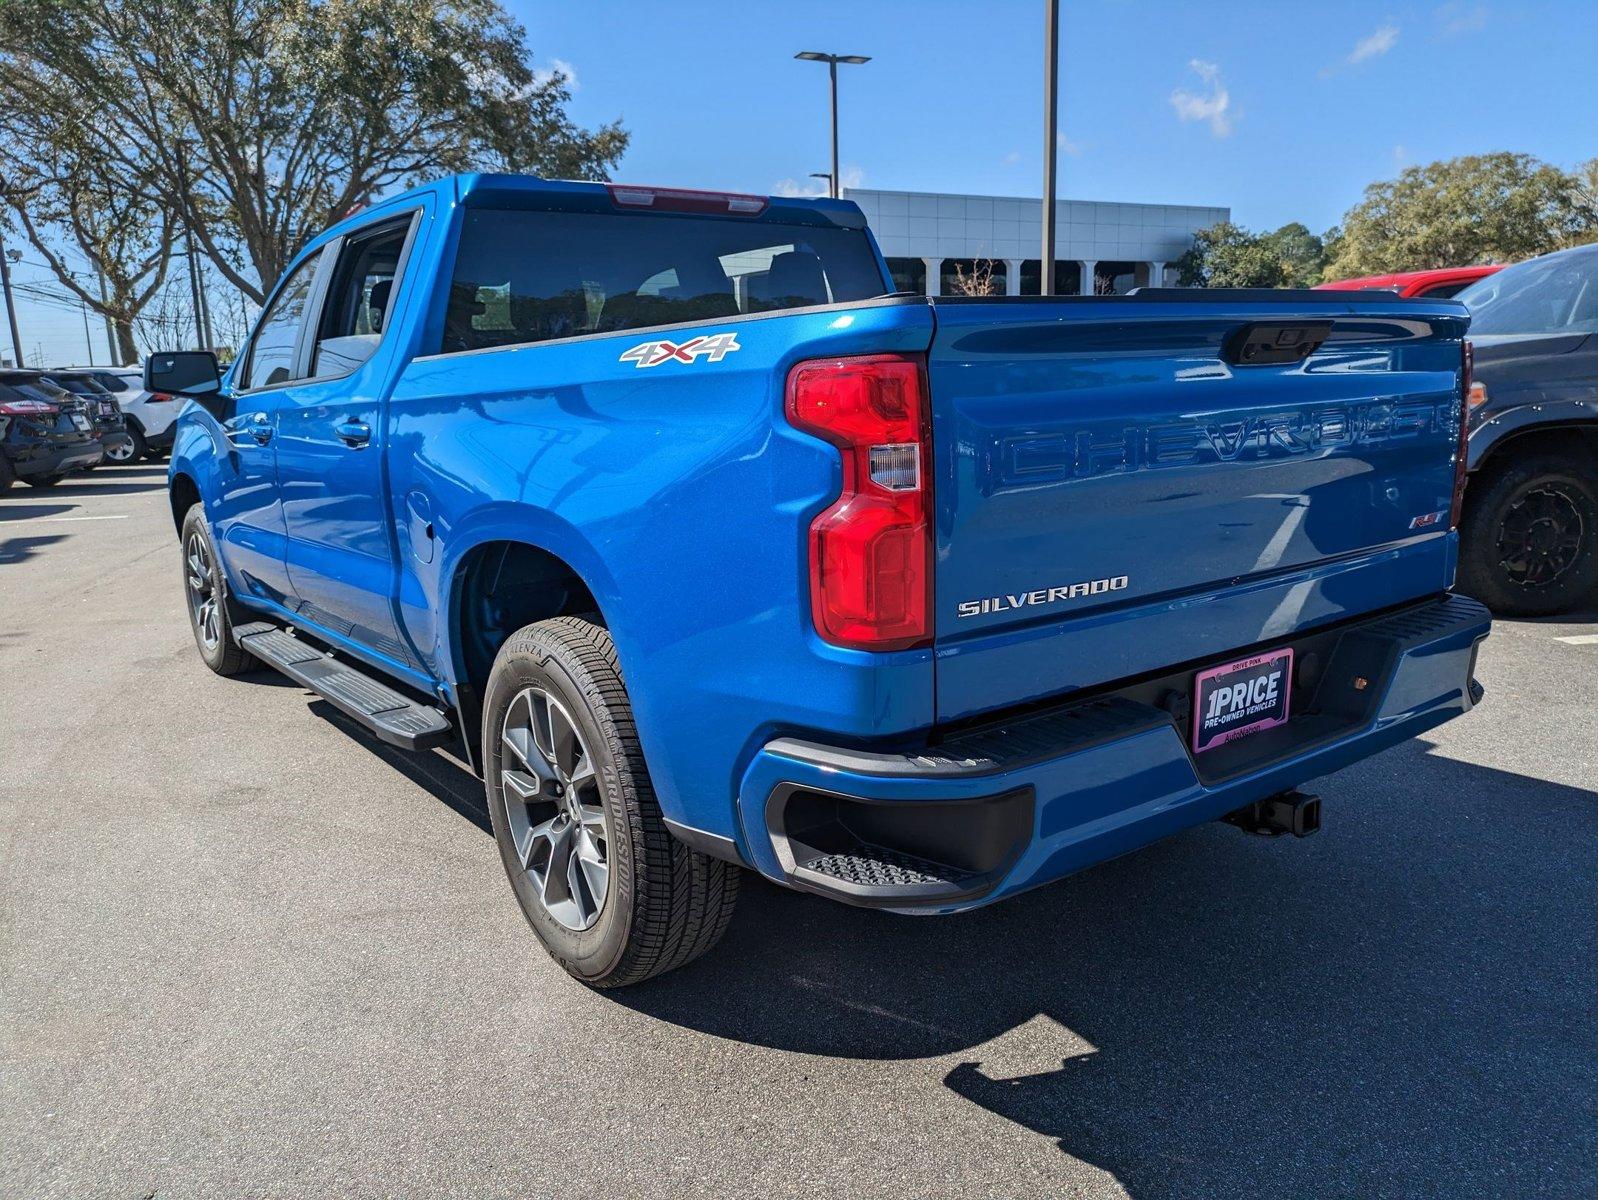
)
(206, 592)
(7, 475)
(612, 895)
(43, 481)
(1529, 541)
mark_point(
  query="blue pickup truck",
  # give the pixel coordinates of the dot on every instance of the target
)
(710, 552)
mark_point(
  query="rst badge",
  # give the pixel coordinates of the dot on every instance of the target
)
(1241, 698)
(714, 346)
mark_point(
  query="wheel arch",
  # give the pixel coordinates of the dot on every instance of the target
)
(1521, 431)
(499, 583)
(184, 493)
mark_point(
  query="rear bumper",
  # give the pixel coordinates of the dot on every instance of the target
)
(997, 810)
(36, 458)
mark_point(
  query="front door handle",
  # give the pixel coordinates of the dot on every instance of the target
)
(354, 434)
(260, 428)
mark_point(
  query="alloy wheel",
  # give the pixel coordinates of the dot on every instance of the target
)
(550, 790)
(122, 453)
(203, 605)
(1540, 536)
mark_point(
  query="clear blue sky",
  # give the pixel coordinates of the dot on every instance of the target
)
(1282, 111)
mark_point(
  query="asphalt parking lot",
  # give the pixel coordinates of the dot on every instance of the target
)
(249, 952)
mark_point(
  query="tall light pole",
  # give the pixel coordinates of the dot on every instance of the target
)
(11, 303)
(832, 61)
(1051, 121)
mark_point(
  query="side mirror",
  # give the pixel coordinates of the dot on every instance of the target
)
(191, 373)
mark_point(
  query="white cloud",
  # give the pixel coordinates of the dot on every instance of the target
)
(1215, 106)
(1012, 158)
(1067, 146)
(557, 67)
(1455, 18)
(1367, 48)
(853, 177)
(1378, 44)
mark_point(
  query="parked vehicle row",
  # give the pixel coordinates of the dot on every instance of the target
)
(57, 421)
(46, 431)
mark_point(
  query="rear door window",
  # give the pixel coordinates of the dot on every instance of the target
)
(528, 276)
(360, 300)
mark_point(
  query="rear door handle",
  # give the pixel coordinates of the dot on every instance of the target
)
(354, 434)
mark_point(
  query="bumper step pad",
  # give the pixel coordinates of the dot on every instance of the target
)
(874, 867)
(387, 714)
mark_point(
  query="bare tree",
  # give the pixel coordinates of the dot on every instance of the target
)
(68, 205)
(979, 282)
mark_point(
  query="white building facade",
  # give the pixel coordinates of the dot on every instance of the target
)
(934, 242)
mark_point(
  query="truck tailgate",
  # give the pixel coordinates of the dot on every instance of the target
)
(1114, 496)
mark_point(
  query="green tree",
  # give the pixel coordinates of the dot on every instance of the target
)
(1303, 254)
(1478, 208)
(1227, 255)
(259, 121)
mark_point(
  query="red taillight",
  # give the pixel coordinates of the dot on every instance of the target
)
(158, 398)
(871, 551)
(27, 408)
(721, 204)
(1467, 362)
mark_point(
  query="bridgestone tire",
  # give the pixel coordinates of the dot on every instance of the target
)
(1492, 499)
(664, 903)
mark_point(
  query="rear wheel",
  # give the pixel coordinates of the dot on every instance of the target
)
(7, 475)
(43, 481)
(132, 452)
(1529, 540)
(612, 895)
(205, 589)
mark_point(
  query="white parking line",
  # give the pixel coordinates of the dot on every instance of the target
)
(1581, 639)
(103, 517)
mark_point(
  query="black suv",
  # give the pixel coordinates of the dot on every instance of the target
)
(1529, 537)
(110, 427)
(44, 431)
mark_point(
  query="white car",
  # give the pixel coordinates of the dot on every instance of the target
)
(150, 415)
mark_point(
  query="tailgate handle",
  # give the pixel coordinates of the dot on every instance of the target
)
(1272, 343)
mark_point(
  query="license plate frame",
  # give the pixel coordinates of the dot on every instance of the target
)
(80, 422)
(1219, 720)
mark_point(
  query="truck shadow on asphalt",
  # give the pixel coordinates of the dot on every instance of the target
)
(1398, 1006)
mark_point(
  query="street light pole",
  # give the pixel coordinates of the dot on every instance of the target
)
(11, 302)
(832, 61)
(1051, 119)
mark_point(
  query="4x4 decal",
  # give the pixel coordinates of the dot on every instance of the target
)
(712, 346)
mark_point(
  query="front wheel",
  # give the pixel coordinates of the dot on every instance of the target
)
(44, 481)
(1529, 540)
(614, 898)
(206, 592)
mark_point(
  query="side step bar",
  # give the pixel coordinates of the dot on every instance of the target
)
(388, 715)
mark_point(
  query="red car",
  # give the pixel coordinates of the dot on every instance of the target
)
(1438, 284)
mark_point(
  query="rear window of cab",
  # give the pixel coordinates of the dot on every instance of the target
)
(529, 276)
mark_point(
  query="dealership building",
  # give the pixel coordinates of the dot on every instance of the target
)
(932, 239)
